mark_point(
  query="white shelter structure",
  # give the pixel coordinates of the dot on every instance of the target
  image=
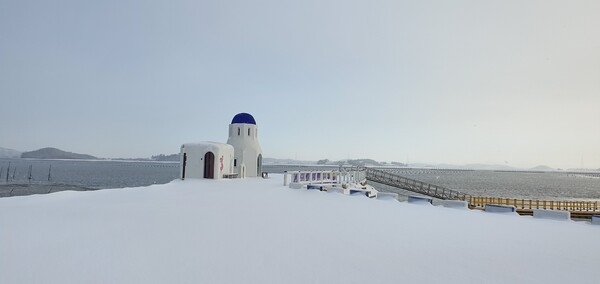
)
(206, 160)
(243, 136)
(241, 156)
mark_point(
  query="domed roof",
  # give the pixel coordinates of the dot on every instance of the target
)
(243, 118)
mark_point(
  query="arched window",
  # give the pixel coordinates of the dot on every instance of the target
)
(248, 131)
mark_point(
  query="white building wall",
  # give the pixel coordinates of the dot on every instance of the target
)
(246, 148)
(194, 154)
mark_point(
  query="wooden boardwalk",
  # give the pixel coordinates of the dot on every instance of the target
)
(578, 209)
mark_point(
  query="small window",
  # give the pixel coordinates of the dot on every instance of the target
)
(248, 131)
(238, 131)
(235, 162)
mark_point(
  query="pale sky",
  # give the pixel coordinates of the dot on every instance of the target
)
(498, 82)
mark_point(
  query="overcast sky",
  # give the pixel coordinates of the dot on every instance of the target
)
(500, 82)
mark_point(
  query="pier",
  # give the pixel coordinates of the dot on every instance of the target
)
(395, 180)
(578, 209)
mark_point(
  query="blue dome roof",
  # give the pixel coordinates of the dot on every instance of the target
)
(243, 118)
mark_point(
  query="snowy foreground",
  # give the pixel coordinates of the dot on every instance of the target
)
(258, 231)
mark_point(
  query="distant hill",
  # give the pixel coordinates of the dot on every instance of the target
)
(53, 153)
(9, 153)
(542, 168)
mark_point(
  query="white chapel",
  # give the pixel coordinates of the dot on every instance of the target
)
(240, 157)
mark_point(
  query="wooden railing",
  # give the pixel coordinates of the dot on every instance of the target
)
(395, 180)
(529, 204)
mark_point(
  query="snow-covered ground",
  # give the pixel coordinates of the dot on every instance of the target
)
(258, 231)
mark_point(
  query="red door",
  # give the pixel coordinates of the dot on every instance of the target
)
(209, 165)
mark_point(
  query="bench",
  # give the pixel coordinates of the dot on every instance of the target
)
(419, 199)
(551, 214)
(493, 208)
(459, 204)
(387, 196)
(353, 191)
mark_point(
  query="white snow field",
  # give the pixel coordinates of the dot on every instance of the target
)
(258, 231)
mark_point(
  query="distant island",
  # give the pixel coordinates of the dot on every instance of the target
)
(163, 157)
(53, 153)
(542, 168)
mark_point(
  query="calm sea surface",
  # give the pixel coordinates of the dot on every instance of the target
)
(522, 185)
(80, 175)
(93, 175)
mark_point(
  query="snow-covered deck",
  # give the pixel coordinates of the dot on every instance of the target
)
(258, 231)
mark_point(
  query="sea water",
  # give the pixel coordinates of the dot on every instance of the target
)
(486, 183)
(55, 175)
(100, 174)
